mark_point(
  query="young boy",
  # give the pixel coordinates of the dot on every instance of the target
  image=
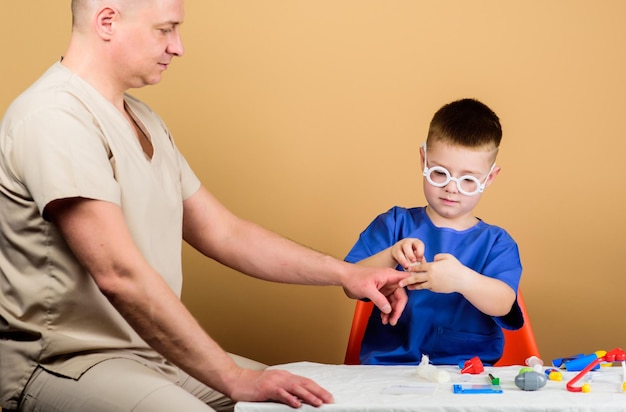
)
(466, 272)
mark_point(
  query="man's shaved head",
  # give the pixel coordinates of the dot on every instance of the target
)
(82, 10)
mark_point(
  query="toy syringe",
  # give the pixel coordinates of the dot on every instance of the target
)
(624, 376)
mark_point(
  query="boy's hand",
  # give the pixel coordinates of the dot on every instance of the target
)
(445, 274)
(408, 252)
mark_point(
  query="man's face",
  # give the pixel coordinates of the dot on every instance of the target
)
(146, 40)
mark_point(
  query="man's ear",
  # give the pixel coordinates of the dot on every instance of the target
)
(104, 22)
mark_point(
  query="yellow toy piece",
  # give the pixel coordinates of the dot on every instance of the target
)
(555, 376)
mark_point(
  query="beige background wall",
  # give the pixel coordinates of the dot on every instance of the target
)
(306, 116)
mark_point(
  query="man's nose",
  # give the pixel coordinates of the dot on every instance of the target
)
(176, 45)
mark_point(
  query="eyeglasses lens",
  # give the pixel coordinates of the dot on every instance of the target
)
(440, 177)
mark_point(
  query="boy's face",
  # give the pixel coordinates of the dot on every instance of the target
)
(447, 206)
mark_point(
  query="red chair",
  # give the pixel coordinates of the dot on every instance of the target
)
(518, 344)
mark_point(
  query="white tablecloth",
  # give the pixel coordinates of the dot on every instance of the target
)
(399, 388)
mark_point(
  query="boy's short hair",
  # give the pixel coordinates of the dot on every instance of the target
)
(466, 122)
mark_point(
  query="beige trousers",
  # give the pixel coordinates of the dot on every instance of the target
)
(123, 385)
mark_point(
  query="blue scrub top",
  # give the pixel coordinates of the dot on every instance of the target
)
(444, 326)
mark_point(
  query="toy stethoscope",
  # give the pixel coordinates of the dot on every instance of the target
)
(616, 355)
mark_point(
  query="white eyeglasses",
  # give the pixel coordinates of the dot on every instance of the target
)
(439, 176)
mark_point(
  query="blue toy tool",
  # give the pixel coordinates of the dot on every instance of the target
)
(578, 362)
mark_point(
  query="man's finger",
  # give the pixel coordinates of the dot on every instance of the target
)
(398, 308)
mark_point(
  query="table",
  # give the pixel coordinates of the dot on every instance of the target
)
(399, 389)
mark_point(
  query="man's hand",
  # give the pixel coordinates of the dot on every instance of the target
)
(381, 286)
(398, 299)
(278, 386)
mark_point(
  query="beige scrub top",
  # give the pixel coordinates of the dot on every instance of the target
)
(62, 139)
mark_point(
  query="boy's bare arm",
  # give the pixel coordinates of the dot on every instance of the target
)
(406, 252)
(445, 274)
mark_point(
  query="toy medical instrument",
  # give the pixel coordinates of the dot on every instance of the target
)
(494, 380)
(473, 366)
(614, 355)
(578, 362)
(554, 374)
(474, 388)
(430, 372)
(623, 376)
(535, 363)
(531, 380)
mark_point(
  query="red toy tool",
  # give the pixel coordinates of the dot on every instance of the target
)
(616, 355)
(473, 366)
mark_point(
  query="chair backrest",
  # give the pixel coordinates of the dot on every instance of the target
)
(362, 313)
(518, 344)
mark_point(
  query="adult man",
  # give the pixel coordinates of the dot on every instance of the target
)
(94, 201)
